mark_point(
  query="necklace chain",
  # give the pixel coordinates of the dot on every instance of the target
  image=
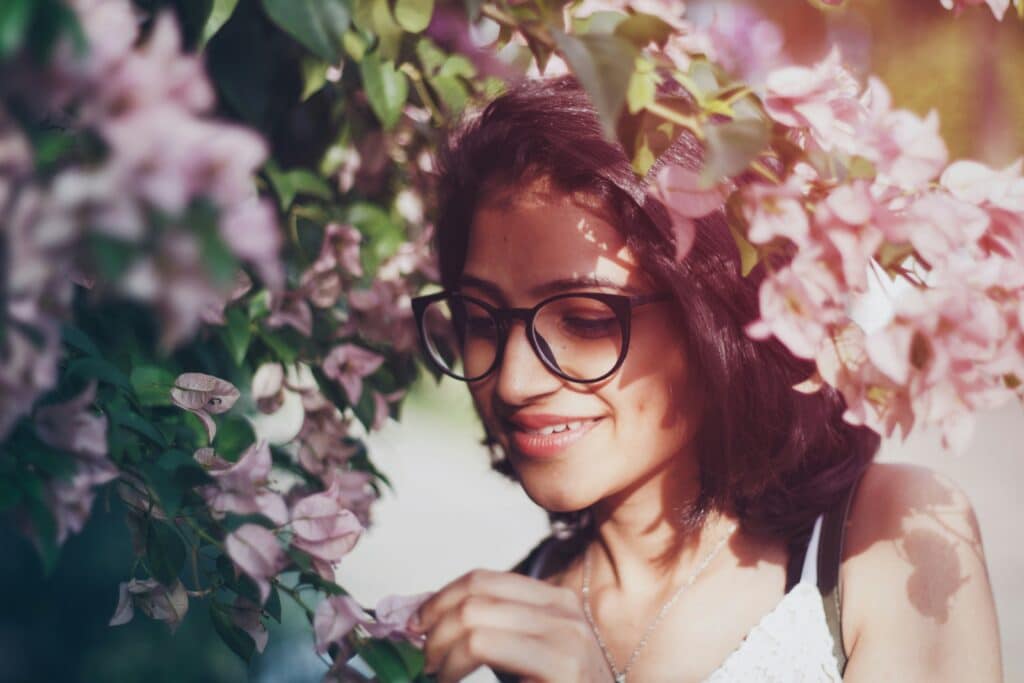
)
(620, 677)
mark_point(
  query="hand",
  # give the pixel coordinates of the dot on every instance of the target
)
(512, 623)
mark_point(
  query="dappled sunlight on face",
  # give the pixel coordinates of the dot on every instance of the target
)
(538, 243)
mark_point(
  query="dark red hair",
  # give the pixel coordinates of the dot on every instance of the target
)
(773, 456)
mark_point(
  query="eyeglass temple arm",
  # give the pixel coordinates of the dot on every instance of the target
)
(641, 299)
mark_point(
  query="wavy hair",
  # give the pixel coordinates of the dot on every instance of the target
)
(773, 456)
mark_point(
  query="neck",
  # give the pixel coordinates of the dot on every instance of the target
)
(650, 536)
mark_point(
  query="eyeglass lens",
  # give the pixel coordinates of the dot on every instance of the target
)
(579, 337)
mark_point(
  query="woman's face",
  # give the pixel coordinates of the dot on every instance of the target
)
(535, 243)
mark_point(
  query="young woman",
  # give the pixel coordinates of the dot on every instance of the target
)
(713, 523)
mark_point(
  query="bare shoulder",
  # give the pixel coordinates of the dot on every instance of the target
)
(917, 602)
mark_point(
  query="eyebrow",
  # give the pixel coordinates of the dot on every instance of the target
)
(566, 284)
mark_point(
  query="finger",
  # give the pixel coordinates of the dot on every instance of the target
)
(480, 611)
(515, 653)
(503, 585)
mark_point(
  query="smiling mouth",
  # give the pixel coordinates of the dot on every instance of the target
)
(551, 440)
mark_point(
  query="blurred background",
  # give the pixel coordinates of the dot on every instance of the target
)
(450, 513)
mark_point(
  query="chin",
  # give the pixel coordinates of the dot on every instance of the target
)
(556, 497)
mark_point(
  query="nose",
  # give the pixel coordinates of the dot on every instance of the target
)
(521, 376)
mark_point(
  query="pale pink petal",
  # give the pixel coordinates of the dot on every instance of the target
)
(335, 617)
(124, 611)
(257, 552)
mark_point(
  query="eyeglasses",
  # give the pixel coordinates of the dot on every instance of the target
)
(581, 337)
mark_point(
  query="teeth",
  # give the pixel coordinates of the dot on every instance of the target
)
(554, 429)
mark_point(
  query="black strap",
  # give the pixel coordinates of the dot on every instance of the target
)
(795, 563)
(830, 557)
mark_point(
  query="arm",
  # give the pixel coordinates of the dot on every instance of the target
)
(917, 603)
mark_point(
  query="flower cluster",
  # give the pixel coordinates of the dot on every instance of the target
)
(888, 206)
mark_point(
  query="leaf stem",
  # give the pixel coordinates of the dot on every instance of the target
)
(690, 123)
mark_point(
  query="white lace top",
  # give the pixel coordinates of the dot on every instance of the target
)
(791, 643)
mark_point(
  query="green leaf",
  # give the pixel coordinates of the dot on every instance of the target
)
(643, 86)
(431, 57)
(10, 494)
(643, 29)
(97, 368)
(317, 24)
(233, 521)
(386, 661)
(237, 333)
(386, 88)
(169, 491)
(234, 435)
(730, 147)
(77, 339)
(451, 91)
(14, 20)
(165, 552)
(273, 606)
(285, 352)
(43, 523)
(414, 15)
(314, 76)
(604, 65)
(240, 642)
(289, 184)
(374, 16)
(141, 426)
(152, 385)
(411, 655)
(220, 12)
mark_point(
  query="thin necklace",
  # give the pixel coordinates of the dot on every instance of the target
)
(620, 677)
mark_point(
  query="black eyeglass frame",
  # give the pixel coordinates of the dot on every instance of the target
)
(621, 304)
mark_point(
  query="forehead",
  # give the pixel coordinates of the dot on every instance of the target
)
(524, 238)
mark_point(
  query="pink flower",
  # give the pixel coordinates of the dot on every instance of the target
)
(348, 364)
(383, 314)
(290, 308)
(72, 426)
(245, 614)
(70, 500)
(256, 552)
(393, 613)
(203, 395)
(798, 304)
(154, 599)
(822, 99)
(250, 230)
(908, 151)
(335, 617)
(338, 259)
(268, 387)
(355, 491)
(241, 486)
(324, 529)
(338, 615)
(680, 190)
(214, 314)
(322, 438)
(774, 211)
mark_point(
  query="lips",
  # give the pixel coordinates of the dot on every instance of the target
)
(545, 436)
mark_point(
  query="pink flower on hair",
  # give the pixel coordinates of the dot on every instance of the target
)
(822, 98)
